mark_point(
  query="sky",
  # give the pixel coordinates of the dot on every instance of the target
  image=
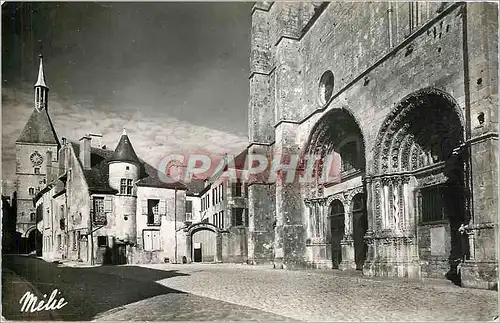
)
(175, 75)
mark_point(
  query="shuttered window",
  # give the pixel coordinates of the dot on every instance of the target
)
(151, 240)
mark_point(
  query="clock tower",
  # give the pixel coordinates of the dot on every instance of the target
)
(36, 148)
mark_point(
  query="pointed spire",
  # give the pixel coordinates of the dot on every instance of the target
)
(41, 76)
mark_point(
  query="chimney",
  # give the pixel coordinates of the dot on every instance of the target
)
(96, 140)
(85, 151)
(48, 166)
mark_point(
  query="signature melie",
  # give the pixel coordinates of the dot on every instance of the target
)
(30, 302)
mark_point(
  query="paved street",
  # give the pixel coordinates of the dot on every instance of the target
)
(237, 292)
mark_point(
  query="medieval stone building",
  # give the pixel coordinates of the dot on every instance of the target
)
(403, 98)
(83, 202)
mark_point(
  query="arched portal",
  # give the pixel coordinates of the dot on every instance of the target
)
(335, 155)
(204, 243)
(337, 231)
(338, 141)
(418, 187)
(34, 242)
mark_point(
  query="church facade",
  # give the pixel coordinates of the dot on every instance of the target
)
(401, 98)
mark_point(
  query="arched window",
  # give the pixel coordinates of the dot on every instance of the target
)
(32, 216)
(337, 208)
(349, 155)
(31, 191)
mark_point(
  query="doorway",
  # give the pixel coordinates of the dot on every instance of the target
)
(360, 225)
(204, 245)
(197, 256)
(337, 231)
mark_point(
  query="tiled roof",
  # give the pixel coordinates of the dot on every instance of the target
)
(39, 129)
(239, 164)
(98, 174)
(195, 186)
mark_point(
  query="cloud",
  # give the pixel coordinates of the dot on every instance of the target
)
(153, 136)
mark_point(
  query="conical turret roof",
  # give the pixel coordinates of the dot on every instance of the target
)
(124, 151)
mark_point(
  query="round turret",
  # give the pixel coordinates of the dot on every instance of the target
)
(124, 167)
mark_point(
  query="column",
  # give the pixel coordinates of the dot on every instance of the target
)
(348, 259)
(189, 248)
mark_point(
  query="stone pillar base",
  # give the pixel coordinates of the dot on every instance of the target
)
(278, 263)
(347, 265)
(477, 274)
(384, 268)
(320, 264)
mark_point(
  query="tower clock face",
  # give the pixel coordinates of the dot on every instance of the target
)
(36, 158)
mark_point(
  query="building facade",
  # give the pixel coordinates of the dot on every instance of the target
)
(222, 232)
(402, 101)
(81, 201)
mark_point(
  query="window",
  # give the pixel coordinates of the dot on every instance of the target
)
(151, 240)
(37, 170)
(189, 210)
(69, 175)
(214, 219)
(78, 236)
(326, 87)
(348, 153)
(99, 212)
(74, 240)
(222, 191)
(32, 216)
(237, 217)
(59, 242)
(236, 189)
(432, 206)
(153, 212)
(31, 191)
(126, 186)
(221, 219)
(102, 241)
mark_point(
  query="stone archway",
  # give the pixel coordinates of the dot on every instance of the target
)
(338, 142)
(417, 174)
(34, 241)
(210, 239)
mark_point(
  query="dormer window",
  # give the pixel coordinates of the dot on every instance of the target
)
(126, 186)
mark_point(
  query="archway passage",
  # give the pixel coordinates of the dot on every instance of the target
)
(34, 242)
(338, 141)
(204, 245)
(419, 185)
(337, 231)
(360, 225)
